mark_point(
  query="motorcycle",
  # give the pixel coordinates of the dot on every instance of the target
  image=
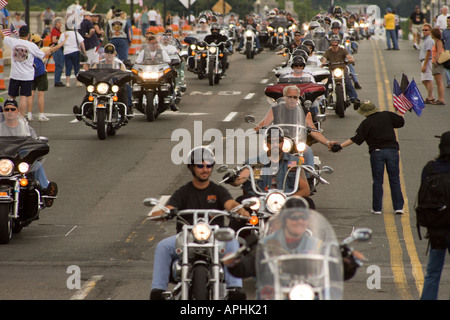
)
(154, 87)
(249, 42)
(313, 268)
(214, 67)
(198, 273)
(280, 36)
(337, 97)
(197, 58)
(103, 108)
(21, 197)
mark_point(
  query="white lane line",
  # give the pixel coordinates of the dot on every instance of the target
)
(70, 231)
(230, 116)
(86, 288)
(162, 201)
(249, 96)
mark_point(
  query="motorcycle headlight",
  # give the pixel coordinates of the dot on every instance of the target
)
(90, 88)
(280, 30)
(150, 75)
(287, 145)
(6, 167)
(23, 167)
(201, 231)
(201, 48)
(115, 88)
(301, 292)
(212, 49)
(338, 72)
(102, 88)
(193, 46)
(248, 33)
(301, 146)
(274, 202)
(257, 205)
(270, 29)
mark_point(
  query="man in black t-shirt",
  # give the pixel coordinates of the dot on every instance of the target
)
(416, 20)
(200, 193)
(91, 41)
(377, 130)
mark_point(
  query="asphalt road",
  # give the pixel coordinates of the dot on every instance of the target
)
(98, 227)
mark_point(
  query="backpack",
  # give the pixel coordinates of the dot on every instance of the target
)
(433, 200)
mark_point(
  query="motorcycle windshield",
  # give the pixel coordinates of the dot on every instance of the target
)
(289, 116)
(12, 124)
(299, 258)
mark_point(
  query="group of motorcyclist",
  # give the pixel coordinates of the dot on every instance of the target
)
(202, 168)
(199, 192)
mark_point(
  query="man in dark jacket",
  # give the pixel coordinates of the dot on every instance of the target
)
(377, 130)
(439, 237)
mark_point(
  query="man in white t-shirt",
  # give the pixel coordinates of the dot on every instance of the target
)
(441, 20)
(22, 70)
(152, 16)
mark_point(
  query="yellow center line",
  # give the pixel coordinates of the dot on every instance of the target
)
(391, 230)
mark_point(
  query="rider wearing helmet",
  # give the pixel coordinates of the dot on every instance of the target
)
(200, 193)
(340, 57)
(217, 38)
(250, 21)
(312, 59)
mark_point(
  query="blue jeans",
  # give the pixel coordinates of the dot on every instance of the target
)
(435, 266)
(379, 159)
(39, 174)
(58, 56)
(165, 254)
(72, 60)
(447, 76)
(390, 35)
(351, 92)
(122, 47)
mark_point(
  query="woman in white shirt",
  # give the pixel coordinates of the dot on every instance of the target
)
(72, 52)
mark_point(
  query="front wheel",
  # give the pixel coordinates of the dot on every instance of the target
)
(149, 105)
(199, 282)
(5, 223)
(101, 124)
(211, 73)
(340, 101)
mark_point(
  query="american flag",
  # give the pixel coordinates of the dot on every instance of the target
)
(3, 4)
(401, 103)
(7, 32)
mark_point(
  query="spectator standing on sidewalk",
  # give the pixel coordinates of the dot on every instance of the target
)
(389, 25)
(446, 39)
(58, 55)
(91, 42)
(425, 57)
(416, 20)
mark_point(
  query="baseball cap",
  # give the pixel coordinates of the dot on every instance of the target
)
(10, 102)
(87, 13)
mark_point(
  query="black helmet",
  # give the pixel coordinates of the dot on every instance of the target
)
(200, 154)
(274, 132)
(300, 53)
(336, 24)
(305, 48)
(337, 11)
(298, 61)
(309, 42)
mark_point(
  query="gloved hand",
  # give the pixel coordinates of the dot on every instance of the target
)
(336, 147)
(231, 177)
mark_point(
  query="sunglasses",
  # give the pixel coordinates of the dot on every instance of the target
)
(10, 109)
(425, 29)
(297, 66)
(201, 166)
(293, 97)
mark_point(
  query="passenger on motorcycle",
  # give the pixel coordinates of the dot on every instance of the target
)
(250, 21)
(152, 51)
(216, 37)
(13, 124)
(312, 58)
(340, 57)
(298, 66)
(200, 193)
